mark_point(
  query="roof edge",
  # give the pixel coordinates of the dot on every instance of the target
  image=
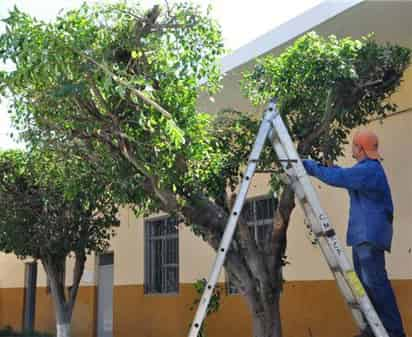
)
(286, 31)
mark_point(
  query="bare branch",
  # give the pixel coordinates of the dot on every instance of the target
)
(130, 14)
(369, 84)
(77, 275)
(167, 7)
(276, 244)
(328, 116)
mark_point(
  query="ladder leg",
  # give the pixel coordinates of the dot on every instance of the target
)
(263, 132)
(342, 284)
(351, 300)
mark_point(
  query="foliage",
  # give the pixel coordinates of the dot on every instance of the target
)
(53, 209)
(214, 303)
(50, 209)
(79, 83)
(327, 86)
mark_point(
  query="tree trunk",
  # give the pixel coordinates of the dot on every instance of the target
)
(62, 323)
(63, 306)
(256, 271)
(265, 316)
(53, 270)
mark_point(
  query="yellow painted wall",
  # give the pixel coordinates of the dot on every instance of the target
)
(12, 304)
(12, 271)
(128, 246)
(84, 316)
(12, 297)
(314, 305)
(1, 304)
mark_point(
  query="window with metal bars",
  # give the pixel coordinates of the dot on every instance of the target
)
(161, 256)
(258, 213)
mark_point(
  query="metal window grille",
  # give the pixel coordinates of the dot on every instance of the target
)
(258, 213)
(161, 256)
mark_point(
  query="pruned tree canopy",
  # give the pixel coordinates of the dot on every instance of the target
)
(328, 86)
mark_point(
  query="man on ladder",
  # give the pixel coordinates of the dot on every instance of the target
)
(370, 223)
(274, 129)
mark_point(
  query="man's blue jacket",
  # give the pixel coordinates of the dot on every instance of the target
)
(371, 207)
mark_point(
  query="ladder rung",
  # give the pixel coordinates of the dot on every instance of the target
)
(335, 269)
(329, 233)
(354, 305)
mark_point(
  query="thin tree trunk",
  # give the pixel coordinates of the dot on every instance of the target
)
(63, 306)
(77, 276)
(63, 326)
(59, 300)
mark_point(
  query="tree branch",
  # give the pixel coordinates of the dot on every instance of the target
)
(77, 275)
(98, 95)
(137, 92)
(130, 14)
(328, 116)
(277, 242)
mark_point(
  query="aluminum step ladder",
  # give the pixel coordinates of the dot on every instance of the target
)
(273, 128)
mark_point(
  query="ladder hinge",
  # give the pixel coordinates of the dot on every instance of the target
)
(329, 233)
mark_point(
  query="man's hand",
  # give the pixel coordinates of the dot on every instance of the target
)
(309, 166)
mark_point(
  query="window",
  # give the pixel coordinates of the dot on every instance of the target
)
(161, 256)
(258, 213)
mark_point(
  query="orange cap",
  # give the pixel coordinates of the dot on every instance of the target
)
(368, 141)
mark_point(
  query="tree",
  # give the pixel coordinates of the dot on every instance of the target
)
(118, 85)
(50, 215)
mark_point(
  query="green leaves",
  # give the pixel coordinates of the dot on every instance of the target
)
(176, 135)
(119, 84)
(214, 303)
(50, 208)
(328, 86)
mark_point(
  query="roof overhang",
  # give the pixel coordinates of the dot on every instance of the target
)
(388, 20)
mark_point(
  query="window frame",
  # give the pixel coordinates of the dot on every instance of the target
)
(150, 267)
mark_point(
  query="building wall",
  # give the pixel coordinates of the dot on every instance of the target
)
(84, 316)
(12, 297)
